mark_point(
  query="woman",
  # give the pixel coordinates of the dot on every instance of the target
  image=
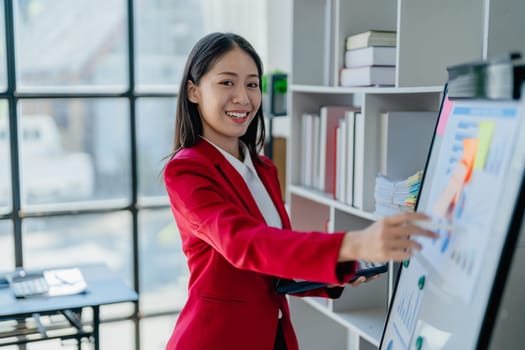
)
(234, 227)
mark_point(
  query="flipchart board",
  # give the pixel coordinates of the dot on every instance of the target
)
(448, 295)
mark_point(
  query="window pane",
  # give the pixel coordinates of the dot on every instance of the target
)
(3, 69)
(165, 33)
(118, 335)
(155, 128)
(79, 239)
(5, 160)
(155, 332)
(7, 246)
(75, 150)
(163, 269)
(71, 43)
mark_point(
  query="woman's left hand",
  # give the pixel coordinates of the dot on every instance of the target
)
(360, 280)
(363, 279)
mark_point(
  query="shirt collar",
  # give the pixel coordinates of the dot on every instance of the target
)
(243, 167)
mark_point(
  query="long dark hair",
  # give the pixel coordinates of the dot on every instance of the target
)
(188, 125)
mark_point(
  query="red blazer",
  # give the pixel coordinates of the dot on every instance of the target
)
(233, 256)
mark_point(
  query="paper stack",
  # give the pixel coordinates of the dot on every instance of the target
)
(65, 282)
(393, 197)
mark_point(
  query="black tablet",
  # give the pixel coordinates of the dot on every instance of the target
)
(366, 268)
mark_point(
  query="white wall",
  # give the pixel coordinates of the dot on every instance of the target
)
(265, 24)
(279, 46)
(279, 35)
(246, 18)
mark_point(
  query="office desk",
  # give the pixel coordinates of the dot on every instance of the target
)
(103, 288)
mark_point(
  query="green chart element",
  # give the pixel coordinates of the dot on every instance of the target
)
(421, 282)
(419, 343)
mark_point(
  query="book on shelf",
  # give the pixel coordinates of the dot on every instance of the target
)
(341, 158)
(371, 38)
(305, 175)
(368, 76)
(370, 56)
(309, 176)
(329, 122)
(306, 126)
(404, 138)
(349, 174)
(316, 135)
(345, 159)
(359, 161)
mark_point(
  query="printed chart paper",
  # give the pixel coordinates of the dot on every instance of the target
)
(468, 181)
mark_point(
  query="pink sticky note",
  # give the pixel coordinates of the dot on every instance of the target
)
(443, 118)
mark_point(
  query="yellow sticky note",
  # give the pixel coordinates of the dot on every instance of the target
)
(486, 130)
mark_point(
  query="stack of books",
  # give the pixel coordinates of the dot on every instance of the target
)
(393, 197)
(370, 59)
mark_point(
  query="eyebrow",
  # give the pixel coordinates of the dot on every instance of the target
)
(235, 74)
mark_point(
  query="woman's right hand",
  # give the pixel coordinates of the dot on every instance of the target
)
(386, 239)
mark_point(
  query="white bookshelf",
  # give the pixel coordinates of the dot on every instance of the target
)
(431, 36)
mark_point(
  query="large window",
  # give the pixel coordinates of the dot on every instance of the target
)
(87, 114)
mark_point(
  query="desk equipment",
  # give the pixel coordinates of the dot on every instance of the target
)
(24, 320)
(50, 283)
(26, 285)
(448, 295)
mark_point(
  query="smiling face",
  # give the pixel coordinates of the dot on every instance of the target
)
(228, 97)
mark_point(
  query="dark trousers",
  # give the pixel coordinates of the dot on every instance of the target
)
(279, 338)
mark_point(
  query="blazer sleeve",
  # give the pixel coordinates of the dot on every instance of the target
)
(197, 195)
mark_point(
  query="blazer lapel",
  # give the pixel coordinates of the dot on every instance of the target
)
(232, 176)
